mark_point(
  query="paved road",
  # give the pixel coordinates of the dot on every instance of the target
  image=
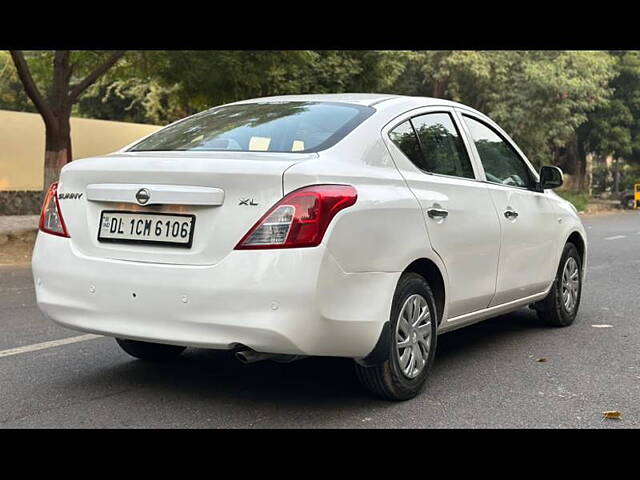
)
(486, 375)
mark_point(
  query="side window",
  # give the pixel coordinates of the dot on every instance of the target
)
(405, 139)
(442, 147)
(501, 162)
(433, 144)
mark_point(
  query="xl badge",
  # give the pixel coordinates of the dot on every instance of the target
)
(247, 201)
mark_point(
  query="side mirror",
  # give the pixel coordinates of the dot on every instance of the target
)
(550, 177)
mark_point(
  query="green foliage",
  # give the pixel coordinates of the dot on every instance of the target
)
(579, 200)
(629, 176)
(132, 100)
(41, 66)
(603, 178)
(539, 97)
(168, 85)
(209, 78)
(12, 95)
(557, 105)
(614, 128)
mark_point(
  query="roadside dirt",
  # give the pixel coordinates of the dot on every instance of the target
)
(17, 250)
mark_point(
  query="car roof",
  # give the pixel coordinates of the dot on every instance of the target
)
(354, 98)
(379, 100)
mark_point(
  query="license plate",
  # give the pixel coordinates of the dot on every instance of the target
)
(147, 228)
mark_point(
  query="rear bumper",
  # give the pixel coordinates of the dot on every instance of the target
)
(296, 301)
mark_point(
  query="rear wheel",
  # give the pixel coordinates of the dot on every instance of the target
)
(560, 307)
(149, 351)
(412, 345)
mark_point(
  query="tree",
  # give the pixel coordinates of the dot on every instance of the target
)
(614, 129)
(163, 86)
(203, 79)
(539, 97)
(12, 95)
(64, 78)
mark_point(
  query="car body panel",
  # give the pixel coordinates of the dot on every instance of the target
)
(296, 301)
(174, 176)
(468, 240)
(525, 266)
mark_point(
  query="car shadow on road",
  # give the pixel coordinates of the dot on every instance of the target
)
(474, 338)
(324, 383)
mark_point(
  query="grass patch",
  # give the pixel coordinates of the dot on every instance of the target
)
(579, 200)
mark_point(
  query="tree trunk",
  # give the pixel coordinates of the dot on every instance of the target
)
(57, 150)
(439, 87)
(616, 177)
(570, 162)
(56, 108)
(584, 174)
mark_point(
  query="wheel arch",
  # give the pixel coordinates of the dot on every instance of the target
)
(576, 238)
(432, 274)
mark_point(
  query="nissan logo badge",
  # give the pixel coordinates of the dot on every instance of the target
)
(143, 196)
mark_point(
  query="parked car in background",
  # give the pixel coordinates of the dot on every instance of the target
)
(352, 225)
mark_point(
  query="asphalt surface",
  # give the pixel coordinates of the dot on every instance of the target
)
(486, 375)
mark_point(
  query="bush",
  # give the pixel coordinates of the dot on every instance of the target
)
(629, 176)
(579, 200)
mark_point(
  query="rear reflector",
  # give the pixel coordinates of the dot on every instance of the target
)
(300, 218)
(51, 220)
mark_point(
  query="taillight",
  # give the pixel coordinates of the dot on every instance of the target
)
(51, 220)
(300, 218)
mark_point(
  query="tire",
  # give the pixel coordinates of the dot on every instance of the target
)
(149, 351)
(387, 379)
(630, 203)
(553, 310)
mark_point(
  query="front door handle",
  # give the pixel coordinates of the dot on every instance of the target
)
(510, 214)
(437, 212)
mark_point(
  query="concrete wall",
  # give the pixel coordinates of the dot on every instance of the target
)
(22, 145)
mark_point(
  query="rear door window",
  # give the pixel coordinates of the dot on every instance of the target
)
(405, 138)
(433, 144)
(442, 147)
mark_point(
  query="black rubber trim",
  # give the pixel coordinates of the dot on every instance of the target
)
(380, 352)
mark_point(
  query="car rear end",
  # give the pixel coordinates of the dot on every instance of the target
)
(190, 239)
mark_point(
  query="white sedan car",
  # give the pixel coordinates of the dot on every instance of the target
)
(351, 225)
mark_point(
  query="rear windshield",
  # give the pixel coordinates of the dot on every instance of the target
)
(260, 127)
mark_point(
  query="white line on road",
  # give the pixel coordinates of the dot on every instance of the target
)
(44, 345)
(615, 237)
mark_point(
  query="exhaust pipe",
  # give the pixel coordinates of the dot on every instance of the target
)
(251, 356)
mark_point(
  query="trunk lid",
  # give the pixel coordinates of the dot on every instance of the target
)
(227, 192)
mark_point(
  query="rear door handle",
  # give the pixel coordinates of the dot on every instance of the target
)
(511, 214)
(436, 212)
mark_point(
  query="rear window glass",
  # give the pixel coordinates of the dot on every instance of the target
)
(260, 127)
(405, 138)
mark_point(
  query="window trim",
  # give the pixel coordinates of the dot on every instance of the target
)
(478, 172)
(462, 112)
